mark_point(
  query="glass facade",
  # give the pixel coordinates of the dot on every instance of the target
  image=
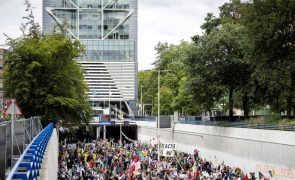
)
(101, 25)
(108, 29)
(109, 50)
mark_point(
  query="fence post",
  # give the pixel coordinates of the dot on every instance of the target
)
(24, 137)
(6, 166)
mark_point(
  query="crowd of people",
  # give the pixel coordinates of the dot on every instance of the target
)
(106, 159)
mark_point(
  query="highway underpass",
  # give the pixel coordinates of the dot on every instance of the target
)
(102, 130)
(129, 131)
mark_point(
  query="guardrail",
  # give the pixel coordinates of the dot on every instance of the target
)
(29, 164)
(252, 125)
(145, 118)
(24, 132)
(238, 124)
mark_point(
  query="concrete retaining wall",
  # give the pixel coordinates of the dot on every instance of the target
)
(253, 150)
(49, 167)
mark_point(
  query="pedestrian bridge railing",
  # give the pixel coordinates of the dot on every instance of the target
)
(29, 164)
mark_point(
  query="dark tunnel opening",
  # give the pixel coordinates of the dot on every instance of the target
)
(93, 132)
(113, 132)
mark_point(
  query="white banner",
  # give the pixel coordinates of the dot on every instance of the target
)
(168, 149)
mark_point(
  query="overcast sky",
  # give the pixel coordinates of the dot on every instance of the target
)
(158, 21)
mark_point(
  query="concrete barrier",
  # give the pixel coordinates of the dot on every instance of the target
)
(49, 165)
(253, 150)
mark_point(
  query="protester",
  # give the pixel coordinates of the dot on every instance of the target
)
(105, 159)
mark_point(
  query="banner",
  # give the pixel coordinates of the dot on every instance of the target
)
(169, 149)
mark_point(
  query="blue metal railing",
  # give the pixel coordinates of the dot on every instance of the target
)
(29, 164)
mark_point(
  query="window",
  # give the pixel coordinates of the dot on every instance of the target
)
(1, 56)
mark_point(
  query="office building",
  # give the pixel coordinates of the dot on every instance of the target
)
(108, 29)
(2, 57)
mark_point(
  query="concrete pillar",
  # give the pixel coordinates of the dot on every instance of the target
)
(98, 129)
(104, 132)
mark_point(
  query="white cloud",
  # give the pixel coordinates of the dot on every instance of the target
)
(178, 20)
(159, 21)
(11, 13)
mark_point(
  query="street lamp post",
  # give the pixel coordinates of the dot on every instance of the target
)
(141, 109)
(110, 101)
(121, 115)
(152, 104)
(158, 115)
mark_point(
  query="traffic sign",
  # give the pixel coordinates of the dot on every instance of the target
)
(13, 108)
(104, 122)
(107, 123)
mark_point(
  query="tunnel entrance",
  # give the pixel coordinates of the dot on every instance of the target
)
(93, 132)
(114, 132)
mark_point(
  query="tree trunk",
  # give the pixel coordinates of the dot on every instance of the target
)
(231, 103)
(289, 106)
(290, 96)
(246, 105)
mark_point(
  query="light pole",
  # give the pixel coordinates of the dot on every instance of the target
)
(121, 115)
(159, 71)
(152, 104)
(12, 130)
(110, 101)
(158, 115)
(141, 109)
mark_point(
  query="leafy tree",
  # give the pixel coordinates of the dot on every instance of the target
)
(200, 79)
(174, 93)
(41, 74)
(245, 58)
(270, 28)
(218, 64)
(184, 102)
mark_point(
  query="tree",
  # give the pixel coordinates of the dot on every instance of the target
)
(201, 82)
(184, 102)
(43, 77)
(174, 93)
(270, 28)
(218, 66)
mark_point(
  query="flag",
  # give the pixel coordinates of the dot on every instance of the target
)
(272, 173)
(141, 156)
(246, 177)
(93, 92)
(260, 175)
(135, 164)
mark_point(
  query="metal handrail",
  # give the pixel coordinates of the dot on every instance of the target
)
(252, 125)
(28, 165)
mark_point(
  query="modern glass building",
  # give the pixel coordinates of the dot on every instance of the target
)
(108, 29)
